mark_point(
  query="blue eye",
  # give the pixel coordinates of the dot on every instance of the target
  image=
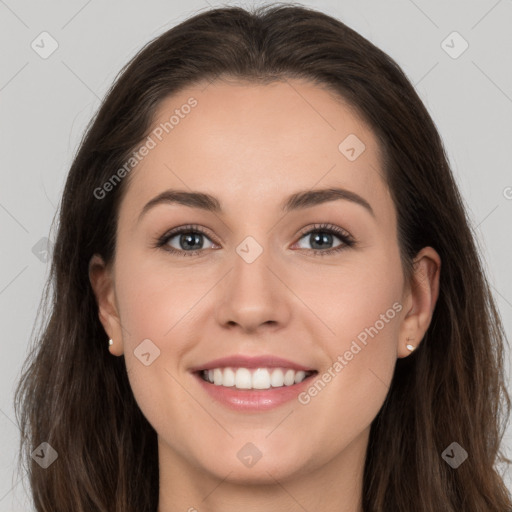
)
(318, 236)
(191, 237)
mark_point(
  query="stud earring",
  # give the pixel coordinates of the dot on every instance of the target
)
(409, 346)
(110, 342)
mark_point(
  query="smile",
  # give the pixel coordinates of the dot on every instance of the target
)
(258, 378)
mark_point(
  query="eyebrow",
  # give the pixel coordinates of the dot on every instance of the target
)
(297, 201)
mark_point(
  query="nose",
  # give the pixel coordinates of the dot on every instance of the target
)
(254, 293)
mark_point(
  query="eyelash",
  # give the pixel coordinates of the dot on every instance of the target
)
(344, 236)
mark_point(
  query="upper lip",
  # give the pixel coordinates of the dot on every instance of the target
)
(241, 361)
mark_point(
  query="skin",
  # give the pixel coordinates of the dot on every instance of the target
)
(251, 146)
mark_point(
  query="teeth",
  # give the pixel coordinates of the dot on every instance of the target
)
(289, 377)
(228, 377)
(242, 379)
(299, 377)
(277, 378)
(260, 378)
(217, 376)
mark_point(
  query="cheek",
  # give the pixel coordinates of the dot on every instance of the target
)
(363, 292)
(363, 314)
(153, 299)
(155, 308)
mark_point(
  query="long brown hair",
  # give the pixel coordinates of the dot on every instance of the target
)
(75, 396)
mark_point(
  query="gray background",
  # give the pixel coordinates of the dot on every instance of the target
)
(47, 103)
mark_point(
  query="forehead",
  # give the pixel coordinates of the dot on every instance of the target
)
(243, 142)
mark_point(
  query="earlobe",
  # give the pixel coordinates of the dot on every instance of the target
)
(100, 277)
(423, 294)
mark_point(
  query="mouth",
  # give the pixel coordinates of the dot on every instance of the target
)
(253, 383)
(239, 378)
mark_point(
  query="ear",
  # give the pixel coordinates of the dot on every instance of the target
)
(102, 282)
(420, 300)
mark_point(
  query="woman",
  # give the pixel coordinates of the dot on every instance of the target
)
(253, 373)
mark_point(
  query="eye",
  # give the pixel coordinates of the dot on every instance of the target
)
(189, 240)
(322, 236)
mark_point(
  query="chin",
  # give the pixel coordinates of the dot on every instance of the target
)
(266, 470)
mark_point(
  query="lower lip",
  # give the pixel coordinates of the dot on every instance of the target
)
(251, 399)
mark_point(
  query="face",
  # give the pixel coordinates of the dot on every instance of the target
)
(317, 282)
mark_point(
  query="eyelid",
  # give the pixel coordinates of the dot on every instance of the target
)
(186, 228)
(325, 226)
